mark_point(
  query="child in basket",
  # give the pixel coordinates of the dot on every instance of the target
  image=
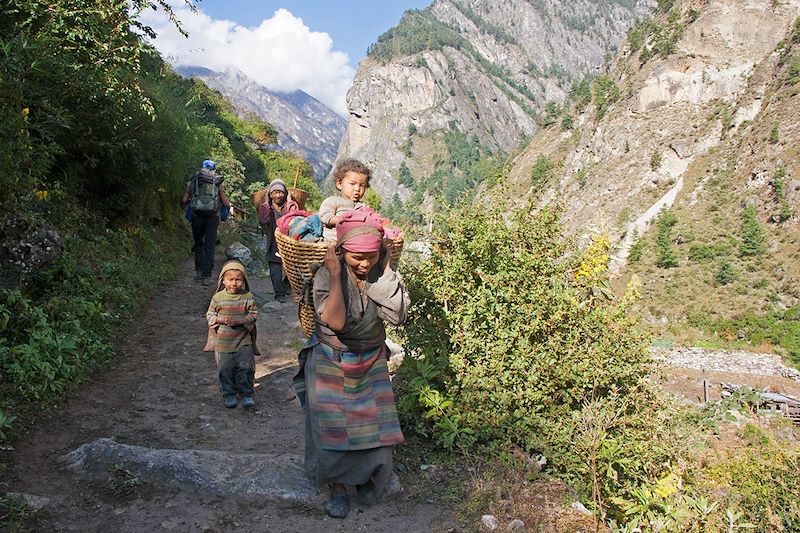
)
(351, 177)
(233, 313)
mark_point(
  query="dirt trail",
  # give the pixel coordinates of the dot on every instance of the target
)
(162, 393)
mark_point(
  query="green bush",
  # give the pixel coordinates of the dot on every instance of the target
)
(404, 175)
(637, 248)
(604, 93)
(705, 253)
(753, 241)
(655, 160)
(61, 327)
(775, 133)
(725, 272)
(542, 171)
(666, 255)
(508, 326)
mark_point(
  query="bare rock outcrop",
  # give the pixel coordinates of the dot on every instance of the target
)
(490, 75)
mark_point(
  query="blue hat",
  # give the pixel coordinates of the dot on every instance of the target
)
(209, 164)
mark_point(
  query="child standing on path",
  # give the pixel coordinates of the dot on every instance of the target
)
(351, 177)
(343, 382)
(233, 312)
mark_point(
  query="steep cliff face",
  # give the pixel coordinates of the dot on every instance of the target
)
(706, 126)
(484, 68)
(306, 127)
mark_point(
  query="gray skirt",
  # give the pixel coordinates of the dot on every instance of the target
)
(369, 470)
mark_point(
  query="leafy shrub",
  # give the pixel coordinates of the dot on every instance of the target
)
(61, 328)
(542, 171)
(404, 175)
(511, 328)
(779, 193)
(704, 253)
(760, 477)
(580, 94)
(551, 113)
(372, 199)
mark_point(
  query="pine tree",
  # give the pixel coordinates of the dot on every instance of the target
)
(753, 238)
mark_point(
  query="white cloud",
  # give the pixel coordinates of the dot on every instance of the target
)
(281, 53)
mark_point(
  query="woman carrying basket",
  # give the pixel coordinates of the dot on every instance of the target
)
(343, 383)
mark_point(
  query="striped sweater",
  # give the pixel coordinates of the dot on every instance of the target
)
(240, 305)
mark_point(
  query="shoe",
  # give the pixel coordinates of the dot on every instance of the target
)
(248, 402)
(367, 494)
(337, 506)
(198, 275)
(281, 298)
(230, 402)
(206, 281)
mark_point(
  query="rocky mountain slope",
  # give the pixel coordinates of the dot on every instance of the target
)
(697, 115)
(482, 68)
(305, 126)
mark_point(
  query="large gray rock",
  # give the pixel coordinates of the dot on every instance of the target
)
(276, 477)
(240, 252)
(25, 246)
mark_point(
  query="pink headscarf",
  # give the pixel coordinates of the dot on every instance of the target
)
(360, 230)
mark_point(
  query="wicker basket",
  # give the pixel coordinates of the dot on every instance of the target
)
(259, 197)
(298, 195)
(298, 257)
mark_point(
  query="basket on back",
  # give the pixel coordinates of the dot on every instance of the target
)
(298, 195)
(300, 259)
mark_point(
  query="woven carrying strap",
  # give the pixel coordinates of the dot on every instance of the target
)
(355, 232)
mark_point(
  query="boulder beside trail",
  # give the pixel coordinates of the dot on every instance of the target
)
(25, 246)
(276, 477)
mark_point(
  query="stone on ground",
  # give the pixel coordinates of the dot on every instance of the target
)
(272, 476)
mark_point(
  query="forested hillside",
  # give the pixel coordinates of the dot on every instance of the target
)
(99, 136)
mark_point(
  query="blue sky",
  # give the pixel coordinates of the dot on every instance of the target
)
(352, 24)
(312, 45)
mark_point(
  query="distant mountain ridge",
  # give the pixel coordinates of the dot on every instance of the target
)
(306, 126)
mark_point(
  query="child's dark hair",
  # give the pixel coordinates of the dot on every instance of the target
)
(351, 165)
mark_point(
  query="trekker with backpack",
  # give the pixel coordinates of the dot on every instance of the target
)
(205, 196)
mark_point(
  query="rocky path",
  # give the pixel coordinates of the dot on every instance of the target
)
(161, 396)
